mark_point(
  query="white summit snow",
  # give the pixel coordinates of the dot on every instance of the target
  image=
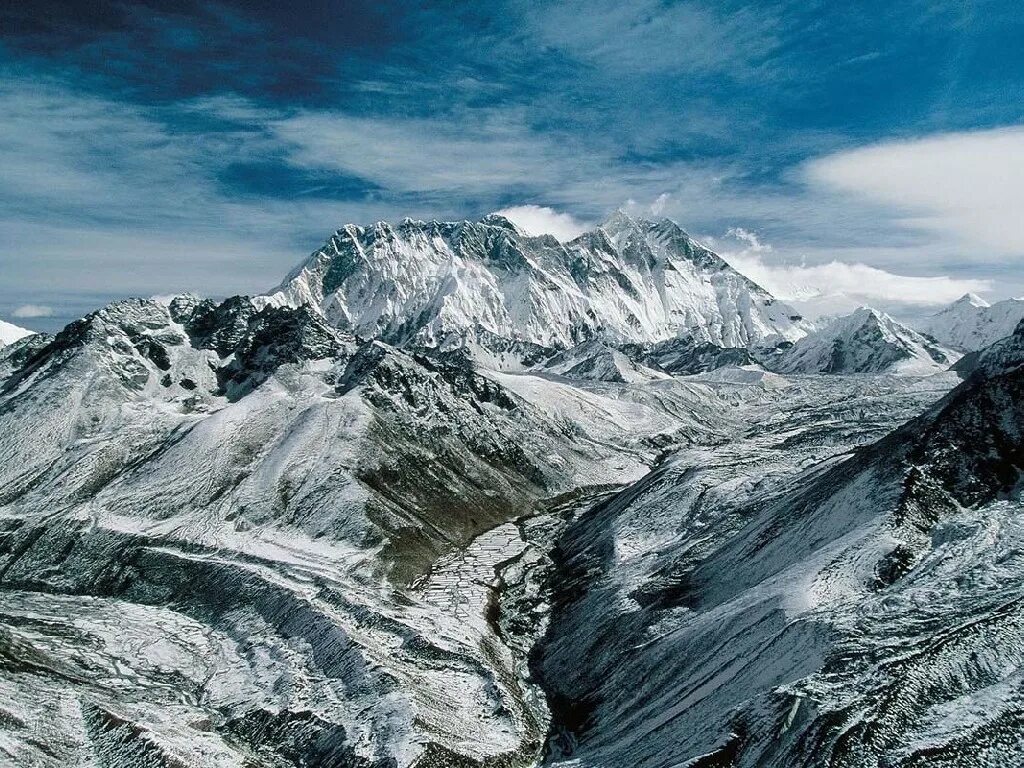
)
(445, 283)
(10, 333)
(970, 323)
(866, 341)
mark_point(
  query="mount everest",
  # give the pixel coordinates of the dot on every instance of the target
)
(441, 283)
(452, 495)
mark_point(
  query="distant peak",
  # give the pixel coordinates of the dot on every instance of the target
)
(619, 220)
(868, 312)
(970, 299)
(10, 333)
(498, 220)
(868, 316)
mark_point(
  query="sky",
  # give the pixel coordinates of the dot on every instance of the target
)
(839, 153)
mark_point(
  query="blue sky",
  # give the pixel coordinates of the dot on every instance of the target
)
(153, 147)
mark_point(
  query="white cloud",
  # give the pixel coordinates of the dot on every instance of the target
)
(837, 286)
(658, 206)
(754, 244)
(965, 185)
(32, 310)
(472, 153)
(539, 220)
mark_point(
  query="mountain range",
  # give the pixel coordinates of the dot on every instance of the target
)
(454, 495)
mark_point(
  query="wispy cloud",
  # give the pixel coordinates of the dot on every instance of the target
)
(685, 37)
(26, 311)
(968, 186)
(115, 198)
(471, 153)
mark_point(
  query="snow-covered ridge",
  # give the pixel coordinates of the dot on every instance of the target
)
(10, 333)
(444, 283)
(970, 323)
(866, 341)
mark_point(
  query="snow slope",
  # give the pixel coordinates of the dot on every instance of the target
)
(10, 333)
(970, 323)
(813, 593)
(866, 341)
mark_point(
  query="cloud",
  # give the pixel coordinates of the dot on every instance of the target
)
(539, 220)
(754, 244)
(32, 310)
(473, 153)
(837, 287)
(968, 186)
(646, 35)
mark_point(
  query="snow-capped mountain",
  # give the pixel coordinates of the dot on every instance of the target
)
(1000, 356)
(806, 595)
(866, 341)
(452, 497)
(452, 283)
(10, 333)
(970, 323)
(301, 528)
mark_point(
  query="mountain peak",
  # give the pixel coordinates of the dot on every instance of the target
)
(863, 315)
(619, 218)
(629, 281)
(866, 341)
(498, 220)
(620, 224)
(970, 299)
(970, 323)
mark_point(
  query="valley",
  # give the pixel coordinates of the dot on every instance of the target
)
(272, 531)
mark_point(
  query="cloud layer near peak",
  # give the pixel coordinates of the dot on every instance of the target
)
(836, 287)
(540, 220)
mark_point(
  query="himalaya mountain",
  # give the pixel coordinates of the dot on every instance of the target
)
(489, 285)
(866, 341)
(456, 496)
(970, 323)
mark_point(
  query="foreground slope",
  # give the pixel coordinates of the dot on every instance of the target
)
(310, 522)
(783, 601)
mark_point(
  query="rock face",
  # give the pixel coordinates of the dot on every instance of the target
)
(451, 283)
(277, 498)
(446, 499)
(866, 341)
(781, 601)
(970, 323)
